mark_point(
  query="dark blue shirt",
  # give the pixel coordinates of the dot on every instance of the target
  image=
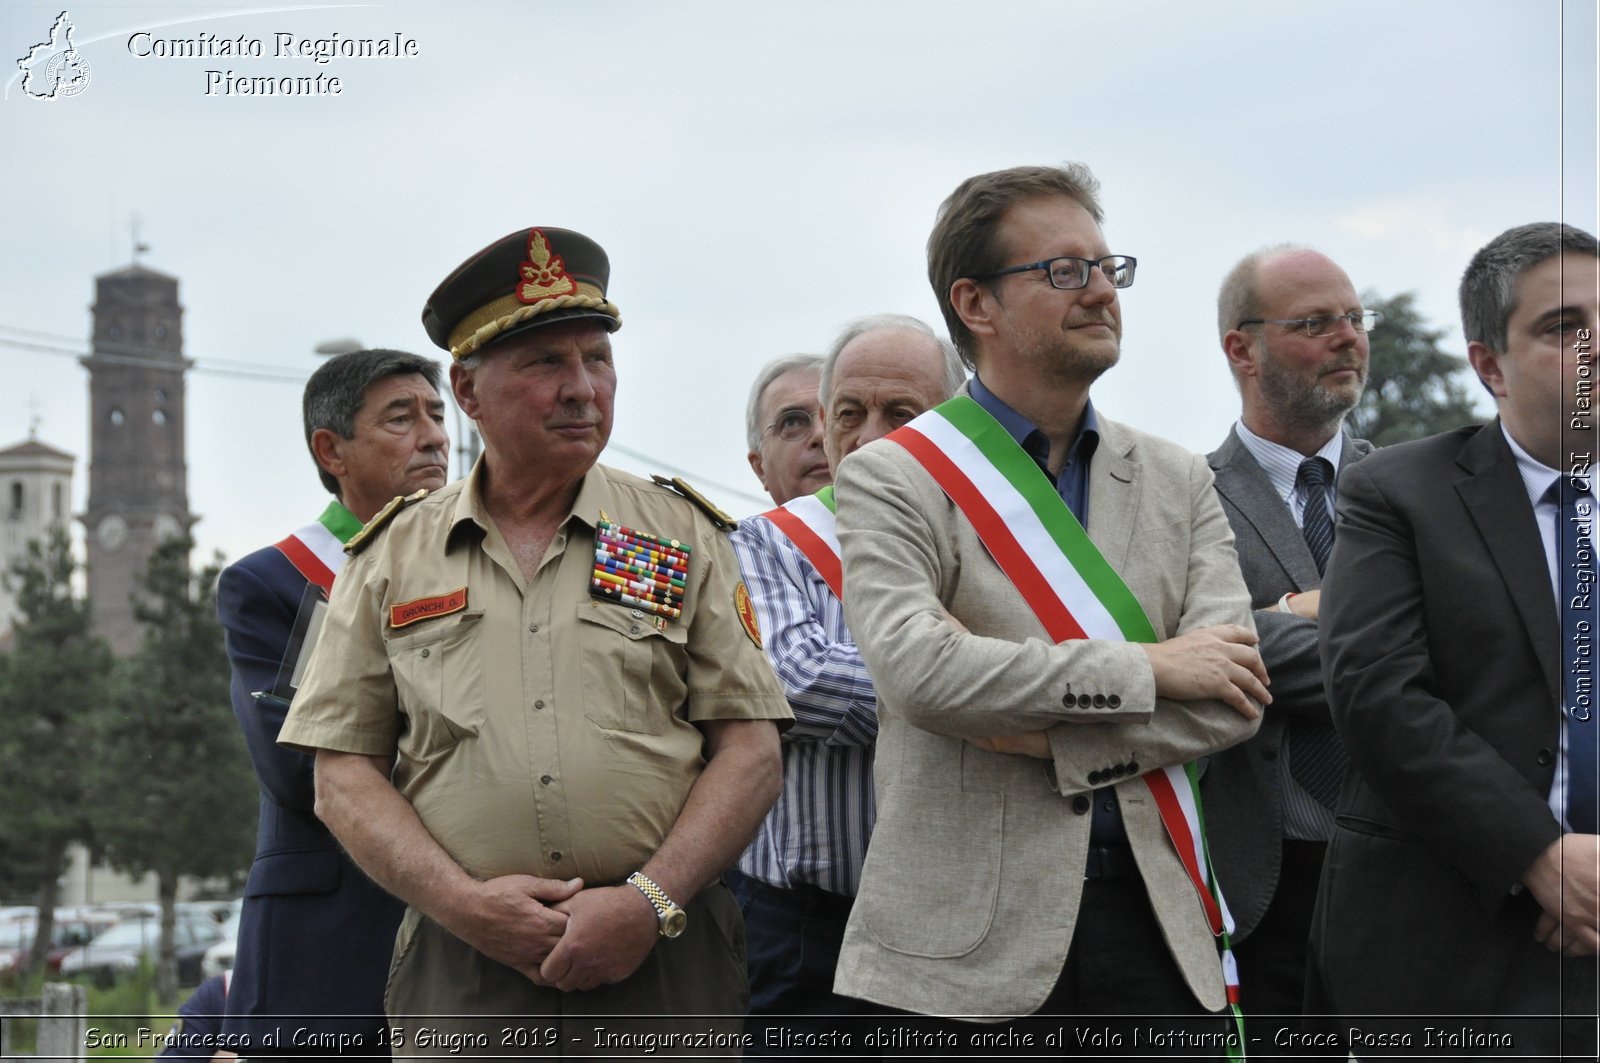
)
(1073, 486)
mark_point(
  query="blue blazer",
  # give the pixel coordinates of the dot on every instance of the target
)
(316, 934)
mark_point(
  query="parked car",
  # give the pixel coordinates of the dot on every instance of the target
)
(219, 957)
(69, 931)
(119, 950)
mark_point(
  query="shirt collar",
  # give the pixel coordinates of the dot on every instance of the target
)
(594, 496)
(1537, 477)
(1027, 434)
(1281, 463)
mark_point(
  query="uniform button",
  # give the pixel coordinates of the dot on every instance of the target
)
(545, 779)
(1113, 702)
(1546, 757)
(1099, 701)
(633, 629)
(1080, 804)
(539, 704)
(556, 855)
(424, 652)
(1085, 701)
(636, 614)
(533, 628)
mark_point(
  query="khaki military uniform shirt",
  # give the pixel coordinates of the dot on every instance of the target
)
(536, 729)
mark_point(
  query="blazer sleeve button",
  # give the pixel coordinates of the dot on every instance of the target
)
(1113, 702)
(1099, 701)
(1546, 758)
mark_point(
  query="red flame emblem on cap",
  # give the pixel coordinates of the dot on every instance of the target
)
(544, 275)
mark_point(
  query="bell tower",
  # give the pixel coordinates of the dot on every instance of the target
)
(138, 479)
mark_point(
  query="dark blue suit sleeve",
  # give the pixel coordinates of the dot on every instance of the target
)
(257, 607)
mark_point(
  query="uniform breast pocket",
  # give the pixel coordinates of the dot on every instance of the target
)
(633, 668)
(438, 675)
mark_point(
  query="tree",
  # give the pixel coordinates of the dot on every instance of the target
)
(53, 684)
(177, 790)
(1414, 388)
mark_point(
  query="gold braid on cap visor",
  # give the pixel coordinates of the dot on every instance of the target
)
(488, 321)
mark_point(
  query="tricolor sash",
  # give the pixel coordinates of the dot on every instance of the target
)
(317, 550)
(810, 524)
(1072, 590)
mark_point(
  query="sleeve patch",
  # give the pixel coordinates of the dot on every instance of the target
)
(747, 613)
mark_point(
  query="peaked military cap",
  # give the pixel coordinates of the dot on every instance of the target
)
(529, 278)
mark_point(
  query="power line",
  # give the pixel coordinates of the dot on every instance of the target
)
(134, 355)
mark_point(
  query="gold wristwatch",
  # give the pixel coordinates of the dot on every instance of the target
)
(671, 918)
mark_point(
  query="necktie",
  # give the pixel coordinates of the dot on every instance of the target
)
(1316, 757)
(1317, 524)
(1576, 568)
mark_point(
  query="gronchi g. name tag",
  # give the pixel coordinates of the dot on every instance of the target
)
(406, 613)
(644, 571)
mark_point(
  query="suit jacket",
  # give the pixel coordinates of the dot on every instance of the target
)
(316, 934)
(1242, 785)
(1441, 654)
(975, 871)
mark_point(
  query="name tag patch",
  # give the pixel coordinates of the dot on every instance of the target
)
(407, 613)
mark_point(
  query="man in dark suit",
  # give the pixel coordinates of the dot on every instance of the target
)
(316, 934)
(1295, 336)
(1462, 876)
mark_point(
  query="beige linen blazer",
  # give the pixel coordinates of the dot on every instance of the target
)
(975, 870)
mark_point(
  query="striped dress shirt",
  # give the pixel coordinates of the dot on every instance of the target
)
(817, 831)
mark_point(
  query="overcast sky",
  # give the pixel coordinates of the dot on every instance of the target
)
(759, 173)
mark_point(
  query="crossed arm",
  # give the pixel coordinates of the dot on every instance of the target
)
(563, 934)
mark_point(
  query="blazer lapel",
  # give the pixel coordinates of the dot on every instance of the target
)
(1496, 499)
(1114, 489)
(1242, 482)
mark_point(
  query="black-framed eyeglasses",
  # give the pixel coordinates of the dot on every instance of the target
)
(1321, 324)
(1068, 273)
(792, 426)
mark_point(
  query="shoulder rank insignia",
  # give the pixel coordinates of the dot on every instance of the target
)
(358, 541)
(644, 571)
(718, 517)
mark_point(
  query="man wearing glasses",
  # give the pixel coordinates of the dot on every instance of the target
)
(1295, 336)
(1052, 613)
(800, 873)
(783, 429)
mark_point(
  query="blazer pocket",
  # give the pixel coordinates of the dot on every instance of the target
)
(291, 872)
(932, 873)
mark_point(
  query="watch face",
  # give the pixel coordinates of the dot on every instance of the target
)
(673, 922)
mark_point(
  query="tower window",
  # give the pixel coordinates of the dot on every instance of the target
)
(116, 416)
(16, 499)
(55, 501)
(159, 416)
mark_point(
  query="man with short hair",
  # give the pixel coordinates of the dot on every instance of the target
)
(997, 631)
(559, 660)
(1295, 337)
(800, 873)
(315, 933)
(782, 426)
(1458, 626)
